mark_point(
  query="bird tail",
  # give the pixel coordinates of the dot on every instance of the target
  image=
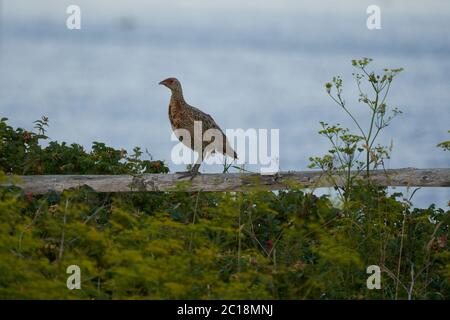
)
(228, 150)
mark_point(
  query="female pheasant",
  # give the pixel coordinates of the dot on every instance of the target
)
(183, 116)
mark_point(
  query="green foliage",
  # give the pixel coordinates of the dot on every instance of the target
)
(256, 245)
(359, 150)
(21, 153)
(197, 245)
(445, 144)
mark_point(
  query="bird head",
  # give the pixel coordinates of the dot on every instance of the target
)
(172, 83)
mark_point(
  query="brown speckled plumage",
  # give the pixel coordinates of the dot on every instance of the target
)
(182, 116)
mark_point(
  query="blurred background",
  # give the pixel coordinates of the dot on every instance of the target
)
(252, 64)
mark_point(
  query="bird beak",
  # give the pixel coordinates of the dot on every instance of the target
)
(162, 82)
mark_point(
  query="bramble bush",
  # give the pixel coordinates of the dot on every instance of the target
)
(21, 153)
(259, 244)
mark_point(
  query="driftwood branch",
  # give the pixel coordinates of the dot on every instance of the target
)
(224, 182)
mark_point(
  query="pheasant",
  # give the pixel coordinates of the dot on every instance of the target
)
(182, 116)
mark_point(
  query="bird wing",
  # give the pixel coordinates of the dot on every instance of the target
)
(209, 123)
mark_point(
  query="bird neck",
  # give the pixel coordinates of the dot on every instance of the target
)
(177, 95)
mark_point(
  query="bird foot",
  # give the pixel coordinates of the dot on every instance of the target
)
(184, 174)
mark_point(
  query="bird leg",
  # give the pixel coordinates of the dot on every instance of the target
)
(192, 173)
